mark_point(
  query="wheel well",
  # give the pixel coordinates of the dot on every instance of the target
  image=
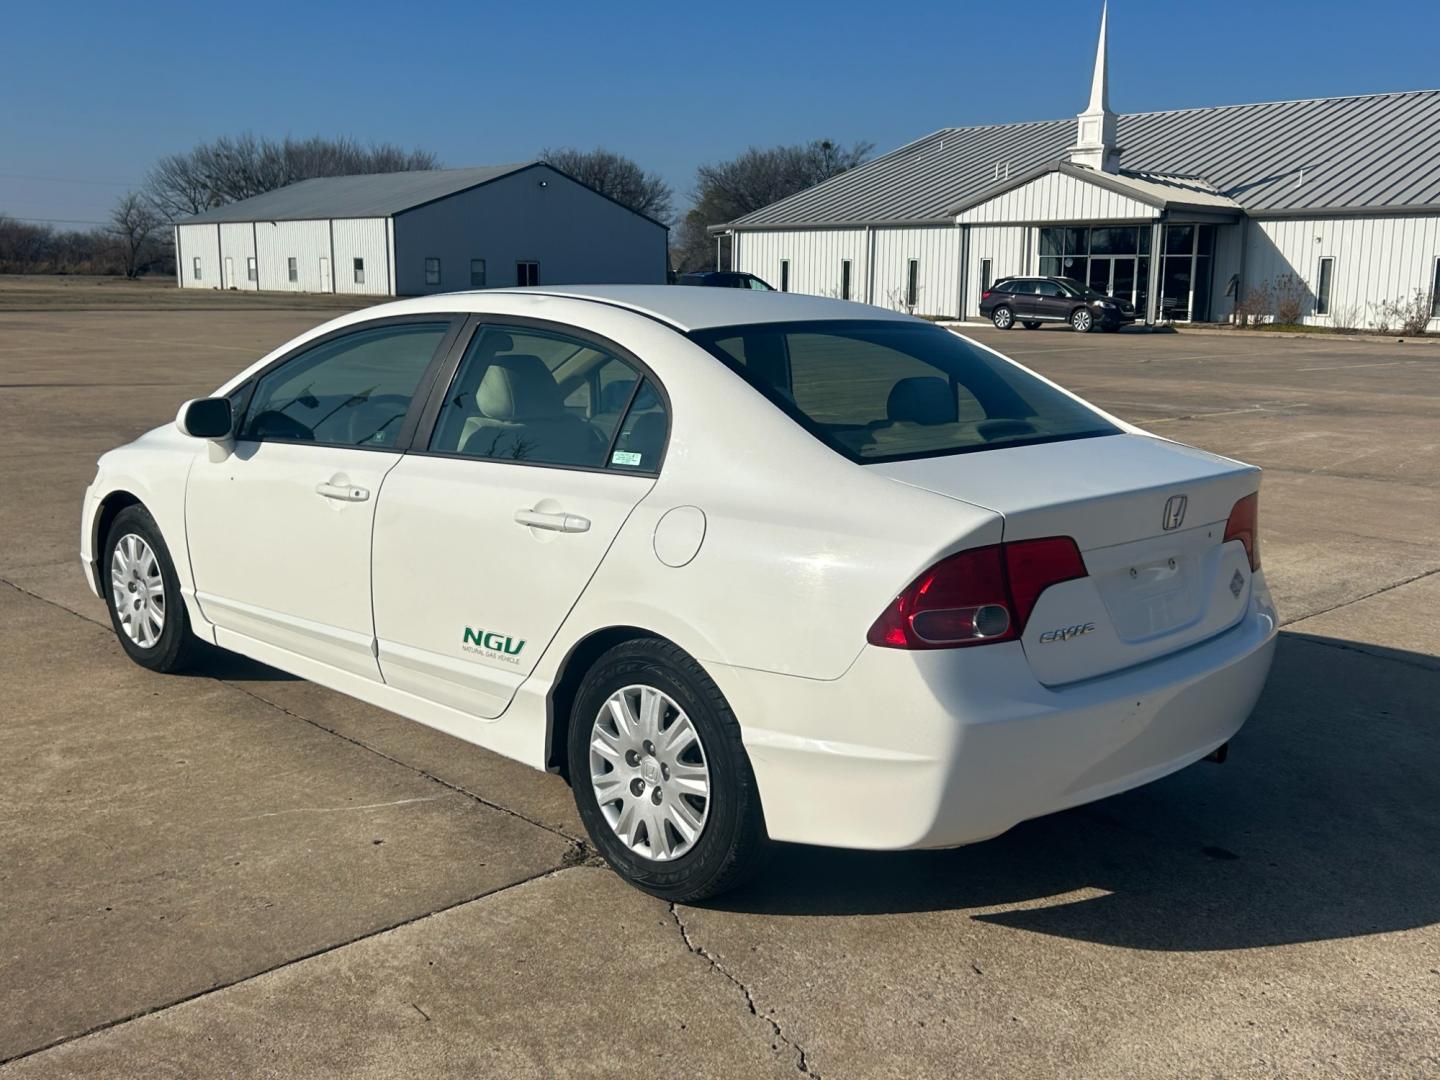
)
(573, 668)
(111, 505)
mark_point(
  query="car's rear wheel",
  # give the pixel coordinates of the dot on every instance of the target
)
(661, 780)
(143, 594)
(1030, 324)
(1082, 320)
(1003, 318)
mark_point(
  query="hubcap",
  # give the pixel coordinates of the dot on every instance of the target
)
(649, 772)
(137, 590)
(1002, 318)
(1082, 320)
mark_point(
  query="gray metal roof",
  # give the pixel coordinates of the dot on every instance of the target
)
(374, 195)
(1374, 151)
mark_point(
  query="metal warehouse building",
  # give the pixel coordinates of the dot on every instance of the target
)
(1181, 212)
(404, 234)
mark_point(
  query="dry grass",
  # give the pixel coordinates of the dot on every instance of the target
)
(60, 292)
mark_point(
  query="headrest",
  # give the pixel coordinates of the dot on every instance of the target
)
(518, 387)
(922, 399)
(496, 341)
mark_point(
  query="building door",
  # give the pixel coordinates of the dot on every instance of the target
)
(229, 278)
(326, 285)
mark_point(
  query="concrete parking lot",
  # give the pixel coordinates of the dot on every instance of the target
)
(236, 873)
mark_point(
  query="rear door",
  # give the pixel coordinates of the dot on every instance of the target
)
(279, 528)
(526, 467)
(1022, 299)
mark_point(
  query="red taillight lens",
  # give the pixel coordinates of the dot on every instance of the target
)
(985, 295)
(976, 597)
(1244, 525)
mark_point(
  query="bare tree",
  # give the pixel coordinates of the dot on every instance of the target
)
(615, 176)
(236, 167)
(134, 228)
(756, 178)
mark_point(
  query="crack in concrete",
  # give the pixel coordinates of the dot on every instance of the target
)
(340, 809)
(323, 950)
(1346, 603)
(575, 841)
(802, 1059)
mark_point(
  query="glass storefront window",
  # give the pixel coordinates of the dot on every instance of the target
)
(1051, 242)
(1077, 241)
(1179, 239)
(1113, 241)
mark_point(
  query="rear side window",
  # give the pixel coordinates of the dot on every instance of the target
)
(543, 397)
(889, 391)
(349, 391)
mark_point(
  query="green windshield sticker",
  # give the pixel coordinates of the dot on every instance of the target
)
(624, 457)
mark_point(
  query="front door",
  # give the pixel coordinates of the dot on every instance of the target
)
(326, 285)
(484, 541)
(229, 278)
(1052, 303)
(279, 528)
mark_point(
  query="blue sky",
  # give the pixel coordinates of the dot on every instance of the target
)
(93, 93)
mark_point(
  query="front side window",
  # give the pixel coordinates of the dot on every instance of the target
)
(359, 266)
(477, 273)
(1322, 286)
(432, 271)
(351, 391)
(546, 398)
(889, 391)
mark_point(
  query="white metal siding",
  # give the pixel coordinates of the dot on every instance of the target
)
(937, 249)
(362, 238)
(1058, 197)
(307, 242)
(1005, 246)
(237, 243)
(199, 242)
(815, 258)
(576, 235)
(1377, 259)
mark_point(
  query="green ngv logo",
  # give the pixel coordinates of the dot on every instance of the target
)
(492, 642)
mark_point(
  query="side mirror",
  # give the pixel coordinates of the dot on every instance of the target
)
(205, 418)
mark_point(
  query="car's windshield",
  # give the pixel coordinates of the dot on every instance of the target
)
(890, 390)
(1080, 289)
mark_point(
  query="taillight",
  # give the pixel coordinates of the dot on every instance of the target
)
(1244, 525)
(985, 295)
(977, 596)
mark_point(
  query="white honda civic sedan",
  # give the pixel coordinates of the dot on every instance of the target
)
(741, 566)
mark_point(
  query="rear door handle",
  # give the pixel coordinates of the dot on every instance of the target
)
(567, 523)
(343, 492)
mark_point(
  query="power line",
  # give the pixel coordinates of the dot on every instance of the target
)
(50, 220)
(69, 180)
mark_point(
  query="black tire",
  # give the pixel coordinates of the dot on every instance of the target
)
(176, 648)
(1030, 325)
(1082, 321)
(1003, 318)
(732, 842)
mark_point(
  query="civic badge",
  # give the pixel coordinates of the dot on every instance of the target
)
(1174, 512)
(1236, 584)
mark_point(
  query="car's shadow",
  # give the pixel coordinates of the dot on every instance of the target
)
(1323, 824)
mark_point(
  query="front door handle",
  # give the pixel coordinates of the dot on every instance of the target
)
(343, 492)
(567, 523)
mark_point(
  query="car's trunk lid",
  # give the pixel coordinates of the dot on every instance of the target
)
(1159, 578)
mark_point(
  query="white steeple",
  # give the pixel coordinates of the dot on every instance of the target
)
(1095, 127)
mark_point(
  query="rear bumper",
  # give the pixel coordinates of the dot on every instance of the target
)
(937, 749)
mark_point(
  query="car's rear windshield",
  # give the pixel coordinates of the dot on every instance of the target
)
(892, 390)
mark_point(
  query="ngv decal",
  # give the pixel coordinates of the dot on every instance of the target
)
(489, 641)
(1065, 633)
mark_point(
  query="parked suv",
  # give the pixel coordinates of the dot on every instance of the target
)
(1031, 301)
(724, 279)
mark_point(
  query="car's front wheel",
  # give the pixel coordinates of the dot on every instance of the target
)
(143, 594)
(1003, 318)
(1082, 320)
(662, 782)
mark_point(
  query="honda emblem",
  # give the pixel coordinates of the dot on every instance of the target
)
(1174, 512)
